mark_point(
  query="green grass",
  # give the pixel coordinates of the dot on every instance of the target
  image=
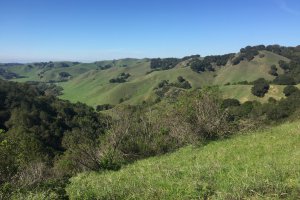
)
(243, 93)
(260, 165)
(249, 71)
(92, 86)
(95, 88)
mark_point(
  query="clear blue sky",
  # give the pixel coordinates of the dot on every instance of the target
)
(89, 30)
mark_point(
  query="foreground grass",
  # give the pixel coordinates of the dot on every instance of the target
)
(259, 165)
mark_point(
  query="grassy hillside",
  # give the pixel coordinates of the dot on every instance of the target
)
(260, 165)
(89, 84)
(243, 92)
(249, 71)
(96, 89)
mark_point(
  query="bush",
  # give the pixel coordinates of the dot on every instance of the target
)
(201, 66)
(230, 103)
(120, 79)
(104, 107)
(204, 113)
(284, 79)
(273, 70)
(260, 87)
(163, 64)
(180, 79)
(290, 89)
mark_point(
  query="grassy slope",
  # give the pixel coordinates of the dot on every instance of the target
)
(95, 87)
(92, 86)
(243, 92)
(97, 90)
(252, 166)
(249, 71)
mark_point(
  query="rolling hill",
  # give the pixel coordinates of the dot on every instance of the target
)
(90, 82)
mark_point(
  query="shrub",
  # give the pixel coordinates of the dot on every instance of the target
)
(260, 87)
(290, 89)
(104, 107)
(201, 66)
(230, 103)
(204, 113)
(180, 79)
(273, 70)
(64, 74)
(284, 79)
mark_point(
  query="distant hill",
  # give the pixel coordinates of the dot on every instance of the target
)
(90, 82)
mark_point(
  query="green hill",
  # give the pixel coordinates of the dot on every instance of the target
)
(96, 89)
(250, 70)
(90, 82)
(260, 165)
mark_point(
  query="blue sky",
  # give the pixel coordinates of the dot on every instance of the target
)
(89, 30)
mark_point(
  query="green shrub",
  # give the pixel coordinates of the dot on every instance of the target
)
(260, 87)
(290, 89)
(284, 79)
(230, 103)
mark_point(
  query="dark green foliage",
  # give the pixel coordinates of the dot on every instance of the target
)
(277, 113)
(260, 87)
(164, 86)
(284, 79)
(120, 79)
(241, 112)
(182, 83)
(290, 89)
(10, 64)
(248, 53)
(163, 64)
(104, 107)
(243, 83)
(62, 64)
(180, 79)
(272, 100)
(163, 83)
(8, 75)
(201, 66)
(35, 126)
(284, 65)
(47, 89)
(219, 60)
(64, 74)
(105, 67)
(230, 103)
(273, 70)
(291, 69)
(190, 57)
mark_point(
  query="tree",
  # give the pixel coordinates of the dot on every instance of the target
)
(273, 70)
(260, 87)
(180, 79)
(290, 89)
(64, 74)
(284, 79)
(230, 103)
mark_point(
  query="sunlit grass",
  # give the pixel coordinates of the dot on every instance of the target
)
(258, 165)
